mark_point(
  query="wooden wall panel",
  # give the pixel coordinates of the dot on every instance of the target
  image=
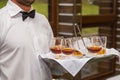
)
(108, 7)
(67, 11)
(118, 26)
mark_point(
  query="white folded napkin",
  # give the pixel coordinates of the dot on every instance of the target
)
(113, 51)
(73, 65)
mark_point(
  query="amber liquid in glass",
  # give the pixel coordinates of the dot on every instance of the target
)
(67, 51)
(94, 49)
(56, 50)
(102, 51)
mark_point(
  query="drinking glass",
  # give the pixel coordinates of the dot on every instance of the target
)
(78, 43)
(104, 43)
(56, 46)
(67, 48)
(94, 44)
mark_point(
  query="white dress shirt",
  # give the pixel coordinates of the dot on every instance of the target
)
(20, 44)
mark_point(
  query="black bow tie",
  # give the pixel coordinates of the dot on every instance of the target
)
(31, 14)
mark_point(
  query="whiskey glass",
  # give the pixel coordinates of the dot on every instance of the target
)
(93, 44)
(56, 47)
(67, 48)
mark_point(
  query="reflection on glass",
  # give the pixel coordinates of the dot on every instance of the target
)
(41, 6)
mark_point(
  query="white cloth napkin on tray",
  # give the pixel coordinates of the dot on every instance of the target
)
(72, 64)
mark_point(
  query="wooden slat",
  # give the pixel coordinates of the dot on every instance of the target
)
(66, 4)
(106, 1)
(118, 24)
(118, 18)
(118, 31)
(65, 34)
(118, 10)
(69, 19)
(105, 4)
(118, 46)
(118, 38)
(67, 9)
(105, 30)
(69, 1)
(65, 24)
(118, 5)
(97, 20)
(106, 10)
(63, 28)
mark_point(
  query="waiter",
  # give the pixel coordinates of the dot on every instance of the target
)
(24, 34)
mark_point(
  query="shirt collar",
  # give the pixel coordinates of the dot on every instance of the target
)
(13, 9)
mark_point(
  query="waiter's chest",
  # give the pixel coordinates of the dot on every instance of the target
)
(22, 34)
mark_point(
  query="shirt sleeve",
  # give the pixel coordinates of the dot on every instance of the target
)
(50, 31)
(51, 35)
(0, 32)
(3, 30)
